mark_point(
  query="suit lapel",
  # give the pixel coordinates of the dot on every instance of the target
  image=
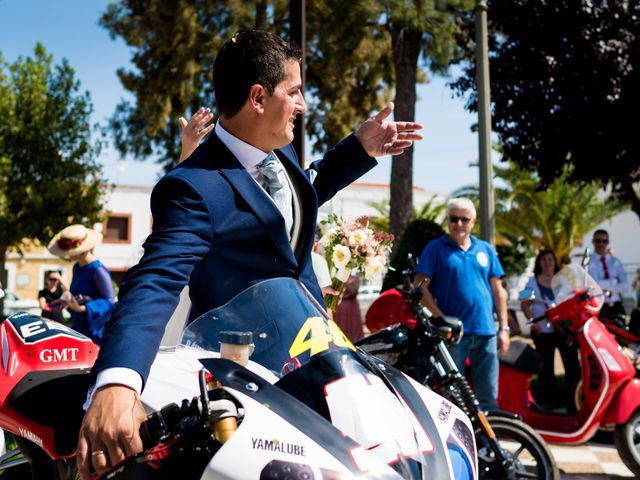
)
(307, 198)
(242, 182)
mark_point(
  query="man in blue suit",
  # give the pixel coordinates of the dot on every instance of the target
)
(216, 229)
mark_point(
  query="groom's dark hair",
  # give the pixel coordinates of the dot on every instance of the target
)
(248, 58)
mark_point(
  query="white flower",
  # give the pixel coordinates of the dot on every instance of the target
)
(326, 239)
(342, 274)
(373, 267)
(358, 237)
(341, 256)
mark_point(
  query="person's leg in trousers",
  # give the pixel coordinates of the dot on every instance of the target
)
(546, 346)
(484, 370)
(460, 352)
(572, 369)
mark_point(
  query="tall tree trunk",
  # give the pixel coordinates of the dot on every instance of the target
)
(261, 15)
(406, 49)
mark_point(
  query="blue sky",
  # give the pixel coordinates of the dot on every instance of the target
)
(69, 28)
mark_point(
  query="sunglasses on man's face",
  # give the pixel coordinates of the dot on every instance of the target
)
(52, 279)
(456, 219)
(600, 240)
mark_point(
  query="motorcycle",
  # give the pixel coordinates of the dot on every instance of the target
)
(507, 448)
(611, 394)
(307, 404)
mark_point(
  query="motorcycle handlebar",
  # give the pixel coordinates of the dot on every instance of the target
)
(536, 319)
(407, 286)
(435, 327)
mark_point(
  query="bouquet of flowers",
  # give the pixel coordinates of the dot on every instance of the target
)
(352, 246)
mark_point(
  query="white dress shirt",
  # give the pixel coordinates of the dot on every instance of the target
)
(617, 283)
(248, 155)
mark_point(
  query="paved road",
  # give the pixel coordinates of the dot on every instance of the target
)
(592, 461)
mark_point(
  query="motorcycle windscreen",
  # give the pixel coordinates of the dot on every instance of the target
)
(573, 277)
(294, 338)
(287, 323)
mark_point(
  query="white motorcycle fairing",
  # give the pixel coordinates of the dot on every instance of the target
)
(331, 412)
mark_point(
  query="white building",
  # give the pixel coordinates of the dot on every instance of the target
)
(128, 225)
(130, 222)
(355, 200)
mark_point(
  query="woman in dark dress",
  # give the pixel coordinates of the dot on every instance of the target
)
(49, 297)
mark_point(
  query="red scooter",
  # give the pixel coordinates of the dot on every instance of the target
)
(627, 335)
(611, 394)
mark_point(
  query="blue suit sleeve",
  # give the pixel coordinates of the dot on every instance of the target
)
(340, 166)
(182, 235)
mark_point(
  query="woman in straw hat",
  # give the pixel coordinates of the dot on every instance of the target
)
(91, 291)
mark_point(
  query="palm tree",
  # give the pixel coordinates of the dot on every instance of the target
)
(433, 209)
(556, 217)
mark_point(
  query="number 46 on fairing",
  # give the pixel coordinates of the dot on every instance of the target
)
(314, 338)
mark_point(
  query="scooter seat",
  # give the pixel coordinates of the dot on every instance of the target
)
(523, 358)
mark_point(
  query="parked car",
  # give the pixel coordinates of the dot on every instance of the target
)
(366, 295)
(14, 303)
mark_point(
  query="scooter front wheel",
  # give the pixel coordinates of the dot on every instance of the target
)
(525, 454)
(627, 440)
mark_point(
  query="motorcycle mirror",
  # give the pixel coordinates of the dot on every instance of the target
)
(406, 280)
(586, 257)
(526, 294)
(411, 261)
(445, 332)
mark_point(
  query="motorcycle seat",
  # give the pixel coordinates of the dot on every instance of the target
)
(54, 399)
(522, 357)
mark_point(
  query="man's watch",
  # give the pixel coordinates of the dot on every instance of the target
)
(505, 329)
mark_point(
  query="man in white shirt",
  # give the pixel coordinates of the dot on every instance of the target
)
(609, 272)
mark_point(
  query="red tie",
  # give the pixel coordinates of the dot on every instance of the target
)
(604, 268)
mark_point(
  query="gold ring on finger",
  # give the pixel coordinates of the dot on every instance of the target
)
(97, 452)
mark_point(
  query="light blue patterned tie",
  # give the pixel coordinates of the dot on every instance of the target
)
(278, 187)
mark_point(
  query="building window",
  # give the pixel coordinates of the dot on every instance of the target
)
(117, 229)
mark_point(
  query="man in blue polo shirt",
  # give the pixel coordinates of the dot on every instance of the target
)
(460, 276)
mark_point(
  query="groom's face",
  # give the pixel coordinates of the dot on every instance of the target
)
(283, 106)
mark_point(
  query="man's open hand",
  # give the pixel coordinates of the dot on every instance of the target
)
(380, 137)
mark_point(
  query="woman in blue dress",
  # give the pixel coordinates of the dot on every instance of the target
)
(91, 294)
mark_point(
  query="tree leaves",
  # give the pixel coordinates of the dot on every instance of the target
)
(49, 176)
(359, 55)
(564, 82)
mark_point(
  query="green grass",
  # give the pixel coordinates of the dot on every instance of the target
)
(10, 443)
